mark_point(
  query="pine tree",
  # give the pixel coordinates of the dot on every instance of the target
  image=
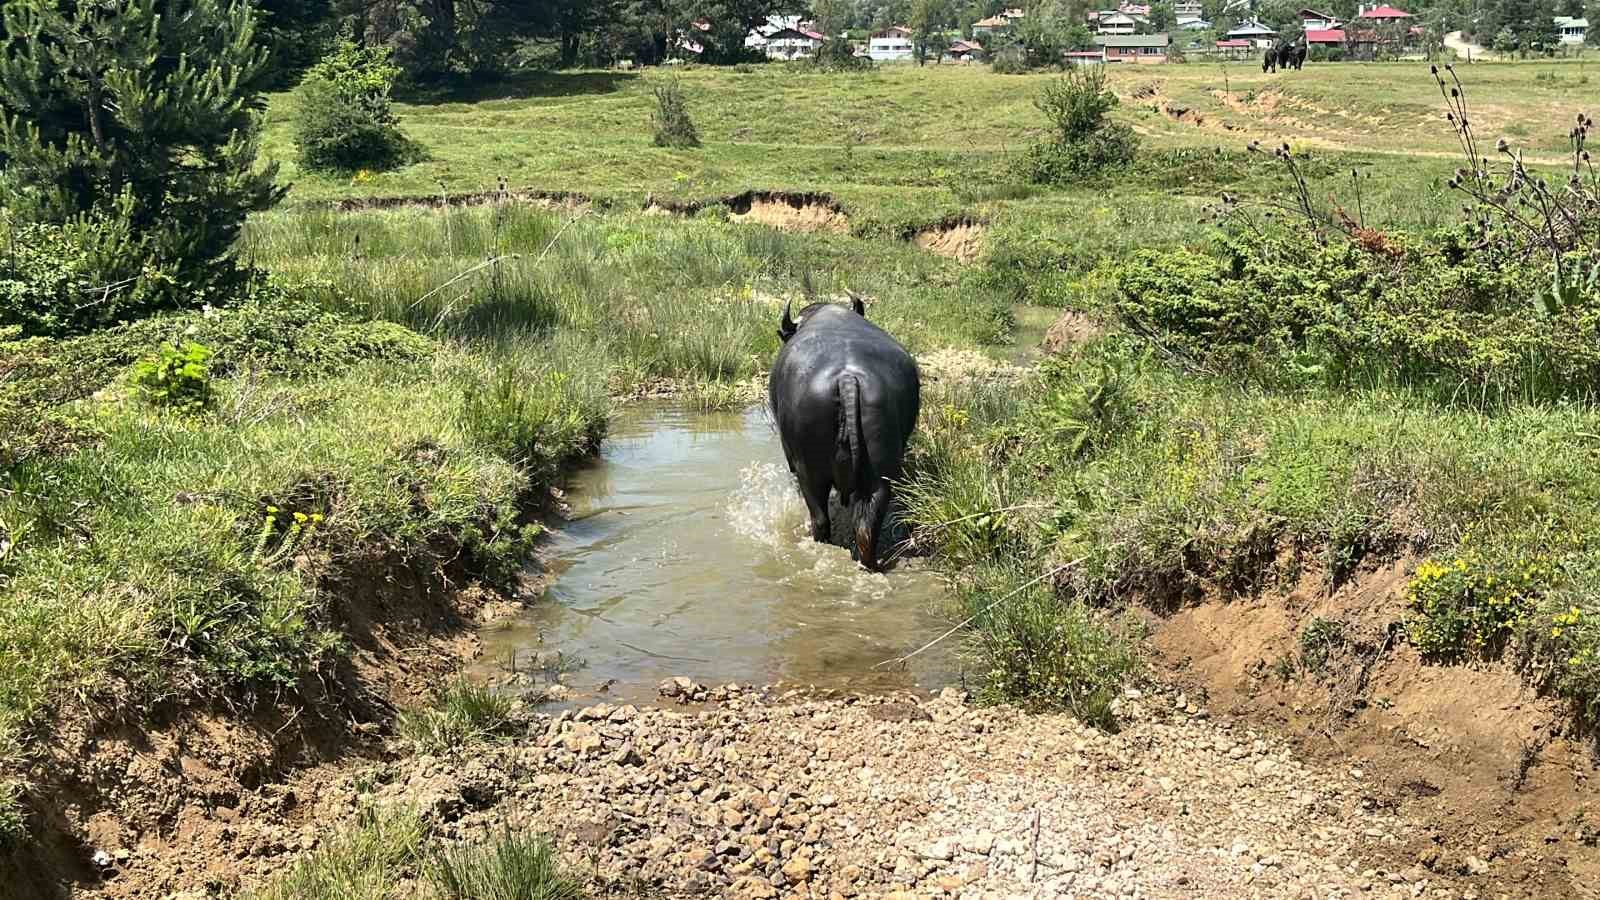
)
(132, 111)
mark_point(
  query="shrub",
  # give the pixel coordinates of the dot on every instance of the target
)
(1012, 60)
(463, 713)
(92, 271)
(536, 418)
(673, 126)
(345, 121)
(1083, 142)
(514, 866)
(176, 378)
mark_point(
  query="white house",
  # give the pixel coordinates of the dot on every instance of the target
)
(1572, 30)
(1186, 11)
(1112, 22)
(793, 43)
(1312, 20)
(891, 44)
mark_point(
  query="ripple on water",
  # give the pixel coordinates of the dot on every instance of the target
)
(691, 555)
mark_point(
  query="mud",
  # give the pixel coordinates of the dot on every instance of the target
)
(559, 201)
(1072, 329)
(791, 211)
(957, 239)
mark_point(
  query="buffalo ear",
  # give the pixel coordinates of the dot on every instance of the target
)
(786, 327)
(857, 304)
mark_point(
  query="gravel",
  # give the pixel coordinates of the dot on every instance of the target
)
(760, 796)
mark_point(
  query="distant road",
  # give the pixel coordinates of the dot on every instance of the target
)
(1467, 50)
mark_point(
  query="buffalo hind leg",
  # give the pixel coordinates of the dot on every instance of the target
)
(868, 512)
(815, 491)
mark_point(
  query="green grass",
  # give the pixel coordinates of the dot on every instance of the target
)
(462, 713)
(389, 852)
(368, 860)
(514, 866)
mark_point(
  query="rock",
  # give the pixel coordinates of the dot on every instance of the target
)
(679, 687)
(733, 819)
(701, 858)
(942, 849)
(101, 859)
(753, 887)
(979, 842)
(1477, 866)
(798, 869)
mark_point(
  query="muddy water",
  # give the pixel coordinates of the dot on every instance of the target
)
(688, 553)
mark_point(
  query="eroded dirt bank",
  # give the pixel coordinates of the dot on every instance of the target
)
(767, 797)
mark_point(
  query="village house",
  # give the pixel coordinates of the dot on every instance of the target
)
(1382, 15)
(1235, 48)
(1259, 35)
(1084, 57)
(1570, 30)
(892, 44)
(1115, 22)
(1312, 20)
(793, 43)
(964, 51)
(997, 23)
(1141, 49)
(1325, 37)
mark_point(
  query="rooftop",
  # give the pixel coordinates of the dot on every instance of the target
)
(1133, 40)
(1385, 12)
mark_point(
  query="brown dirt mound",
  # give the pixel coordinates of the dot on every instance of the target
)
(1071, 329)
(162, 790)
(1494, 771)
(960, 240)
(789, 211)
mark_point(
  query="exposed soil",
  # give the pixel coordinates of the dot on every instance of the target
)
(957, 239)
(161, 790)
(1483, 764)
(1072, 329)
(789, 211)
(756, 796)
(563, 201)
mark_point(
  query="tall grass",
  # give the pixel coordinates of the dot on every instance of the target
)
(513, 866)
(463, 712)
(367, 861)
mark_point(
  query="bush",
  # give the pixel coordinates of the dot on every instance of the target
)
(89, 273)
(515, 866)
(673, 126)
(345, 121)
(364, 862)
(1012, 60)
(176, 378)
(1084, 142)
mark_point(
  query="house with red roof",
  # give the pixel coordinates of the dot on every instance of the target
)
(1235, 48)
(1383, 15)
(1312, 20)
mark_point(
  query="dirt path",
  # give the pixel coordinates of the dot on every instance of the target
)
(1468, 50)
(889, 797)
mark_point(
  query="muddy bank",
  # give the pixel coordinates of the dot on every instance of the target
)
(762, 796)
(794, 211)
(1485, 765)
(117, 790)
(564, 201)
(958, 239)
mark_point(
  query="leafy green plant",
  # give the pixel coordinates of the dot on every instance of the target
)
(1318, 641)
(513, 866)
(673, 127)
(345, 122)
(463, 713)
(175, 377)
(1477, 597)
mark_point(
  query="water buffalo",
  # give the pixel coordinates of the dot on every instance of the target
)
(845, 396)
(1269, 61)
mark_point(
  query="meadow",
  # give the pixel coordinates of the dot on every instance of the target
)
(414, 377)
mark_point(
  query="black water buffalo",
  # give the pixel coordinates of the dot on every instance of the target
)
(1269, 60)
(845, 396)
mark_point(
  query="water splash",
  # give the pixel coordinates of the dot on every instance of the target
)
(766, 506)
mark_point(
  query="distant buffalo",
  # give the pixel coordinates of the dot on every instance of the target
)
(1269, 61)
(845, 396)
(1285, 56)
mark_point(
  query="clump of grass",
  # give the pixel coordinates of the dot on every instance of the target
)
(13, 819)
(713, 396)
(513, 866)
(463, 713)
(365, 862)
(673, 126)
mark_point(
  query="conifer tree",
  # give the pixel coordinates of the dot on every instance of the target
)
(143, 112)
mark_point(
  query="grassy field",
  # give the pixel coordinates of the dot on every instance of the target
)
(470, 354)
